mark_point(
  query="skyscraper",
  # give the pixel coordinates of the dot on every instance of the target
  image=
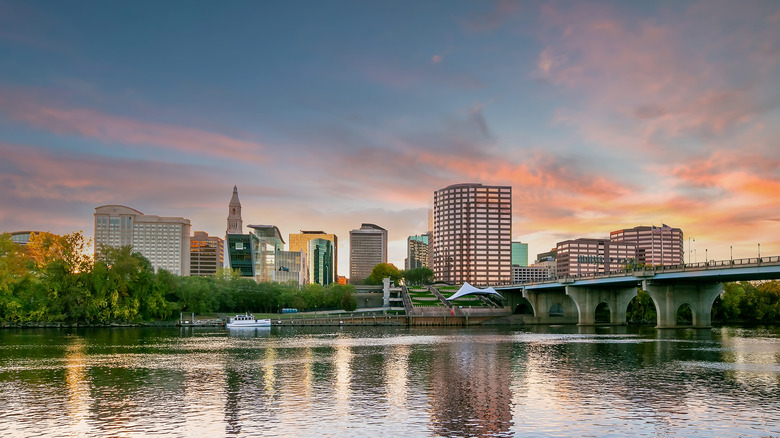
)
(367, 248)
(417, 251)
(238, 251)
(300, 242)
(320, 254)
(165, 241)
(472, 234)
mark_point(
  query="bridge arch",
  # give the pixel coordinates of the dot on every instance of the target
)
(642, 309)
(524, 307)
(685, 316)
(602, 314)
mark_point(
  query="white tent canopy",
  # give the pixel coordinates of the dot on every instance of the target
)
(468, 289)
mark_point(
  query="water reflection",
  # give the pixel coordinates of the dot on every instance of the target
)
(538, 381)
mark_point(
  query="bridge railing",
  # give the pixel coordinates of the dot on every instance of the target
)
(699, 266)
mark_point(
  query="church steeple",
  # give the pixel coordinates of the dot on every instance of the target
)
(234, 223)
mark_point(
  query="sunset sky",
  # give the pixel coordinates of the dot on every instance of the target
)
(327, 114)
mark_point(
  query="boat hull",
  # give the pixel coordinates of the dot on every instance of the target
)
(249, 324)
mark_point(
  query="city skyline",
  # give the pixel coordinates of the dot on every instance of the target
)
(599, 115)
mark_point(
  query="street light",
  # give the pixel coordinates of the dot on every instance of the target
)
(706, 257)
(690, 250)
(731, 253)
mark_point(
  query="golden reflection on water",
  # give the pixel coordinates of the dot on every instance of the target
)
(269, 366)
(76, 382)
(342, 358)
(396, 376)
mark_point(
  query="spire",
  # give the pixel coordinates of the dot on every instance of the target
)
(234, 223)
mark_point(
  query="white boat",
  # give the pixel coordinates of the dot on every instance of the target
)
(247, 320)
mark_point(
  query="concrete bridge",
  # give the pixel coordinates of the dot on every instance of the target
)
(572, 300)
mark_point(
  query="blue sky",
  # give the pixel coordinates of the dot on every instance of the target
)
(601, 115)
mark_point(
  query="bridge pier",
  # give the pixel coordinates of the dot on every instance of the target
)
(669, 297)
(587, 298)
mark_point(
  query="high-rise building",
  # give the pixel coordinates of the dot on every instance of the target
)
(417, 251)
(472, 234)
(519, 254)
(320, 255)
(300, 242)
(164, 241)
(593, 256)
(367, 248)
(206, 254)
(655, 245)
(239, 247)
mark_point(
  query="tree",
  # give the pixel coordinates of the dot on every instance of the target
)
(381, 271)
(348, 302)
(418, 276)
(15, 277)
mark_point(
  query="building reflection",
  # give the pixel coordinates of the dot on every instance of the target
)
(470, 395)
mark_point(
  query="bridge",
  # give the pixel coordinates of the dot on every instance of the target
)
(575, 299)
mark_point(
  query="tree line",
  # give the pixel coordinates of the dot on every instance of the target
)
(54, 279)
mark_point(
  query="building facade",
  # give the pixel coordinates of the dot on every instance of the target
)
(206, 254)
(579, 257)
(268, 242)
(290, 267)
(22, 237)
(472, 234)
(529, 274)
(367, 248)
(519, 254)
(240, 254)
(655, 245)
(320, 258)
(417, 251)
(300, 242)
(235, 225)
(164, 241)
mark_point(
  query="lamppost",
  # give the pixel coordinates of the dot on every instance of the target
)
(706, 257)
(690, 249)
(731, 253)
(695, 257)
(759, 252)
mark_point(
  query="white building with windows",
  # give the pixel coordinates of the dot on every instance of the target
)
(165, 241)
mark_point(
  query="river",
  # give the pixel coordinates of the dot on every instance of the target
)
(369, 381)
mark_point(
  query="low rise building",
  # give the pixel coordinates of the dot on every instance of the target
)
(583, 256)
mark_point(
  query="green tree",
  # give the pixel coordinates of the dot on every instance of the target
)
(15, 277)
(348, 302)
(381, 271)
(418, 276)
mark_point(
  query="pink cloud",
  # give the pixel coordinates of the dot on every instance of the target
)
(59, 119)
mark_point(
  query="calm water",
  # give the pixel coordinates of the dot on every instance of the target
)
(537, 381)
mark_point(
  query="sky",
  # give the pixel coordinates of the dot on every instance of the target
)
(328, 114)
